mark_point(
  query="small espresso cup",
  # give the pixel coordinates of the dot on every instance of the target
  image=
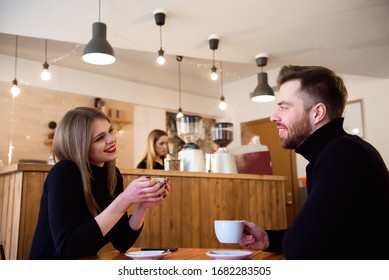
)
(228, 231)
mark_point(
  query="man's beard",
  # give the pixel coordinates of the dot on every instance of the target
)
(297, 133)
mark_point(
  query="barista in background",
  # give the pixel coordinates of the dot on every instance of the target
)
(155, 151)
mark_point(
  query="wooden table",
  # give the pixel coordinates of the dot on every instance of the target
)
(185, 254)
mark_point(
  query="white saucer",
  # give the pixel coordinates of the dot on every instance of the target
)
(147, 255)
(228, 254)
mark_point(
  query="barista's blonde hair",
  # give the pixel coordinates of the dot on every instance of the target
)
(149, 154)
(72, 140)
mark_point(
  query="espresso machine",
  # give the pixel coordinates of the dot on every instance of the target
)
(191, 156)
(223, 161)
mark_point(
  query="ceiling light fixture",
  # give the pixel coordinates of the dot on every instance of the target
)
(98, 50)
(15, 90)
(45, 75)
(179, 114)
(213, 45)
(263, 92)
(160, 17)
(222, 104)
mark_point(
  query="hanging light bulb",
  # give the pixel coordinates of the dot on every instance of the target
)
(98, 51)
(45, 75)
(213, 45)
(161, 59)
(179, 114)
(214, 75)
(222, 104)
(160, 16)
(15, 90)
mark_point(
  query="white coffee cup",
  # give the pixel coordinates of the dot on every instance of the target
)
(228, 231)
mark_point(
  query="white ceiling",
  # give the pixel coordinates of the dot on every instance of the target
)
(349, 36)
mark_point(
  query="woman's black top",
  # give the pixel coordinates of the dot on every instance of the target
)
(143, 165)
(65, 228)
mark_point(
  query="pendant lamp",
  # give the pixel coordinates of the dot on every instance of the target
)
(213, 45)
(222, 104)
(45, 75)
(179, 114)
(263, 92)
(15, 90)
(98, 51)
(160, 16)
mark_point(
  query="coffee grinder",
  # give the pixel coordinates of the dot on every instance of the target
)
(190, 130)
(222, 160)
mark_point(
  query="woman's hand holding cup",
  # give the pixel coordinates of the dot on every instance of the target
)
(146, 190)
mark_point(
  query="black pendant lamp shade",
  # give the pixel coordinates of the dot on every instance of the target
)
(160, 17)
(98, 50)
(263, 92)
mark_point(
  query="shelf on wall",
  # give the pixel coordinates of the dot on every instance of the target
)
(120, 123)
(48, 141)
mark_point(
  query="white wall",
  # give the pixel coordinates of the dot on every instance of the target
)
(375, 95)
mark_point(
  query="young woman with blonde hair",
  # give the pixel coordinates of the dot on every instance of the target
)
(84, 204)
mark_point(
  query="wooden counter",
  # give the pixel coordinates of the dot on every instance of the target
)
(184, 220)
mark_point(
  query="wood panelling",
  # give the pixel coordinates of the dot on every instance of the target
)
(185, 219)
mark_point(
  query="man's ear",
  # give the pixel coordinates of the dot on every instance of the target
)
(319, 113)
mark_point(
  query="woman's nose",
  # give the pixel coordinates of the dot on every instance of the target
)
(109, 138)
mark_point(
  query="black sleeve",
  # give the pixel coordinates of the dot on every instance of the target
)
(275, 241)
(122, 236)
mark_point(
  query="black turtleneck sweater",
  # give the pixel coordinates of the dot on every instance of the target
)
(346, 213)
(65, 228)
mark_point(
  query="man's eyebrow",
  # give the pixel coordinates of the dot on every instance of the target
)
(282, 103)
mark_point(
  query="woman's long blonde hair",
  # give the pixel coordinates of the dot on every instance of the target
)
(149, 153)
(72, 140)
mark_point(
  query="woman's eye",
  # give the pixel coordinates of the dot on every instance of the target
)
(100, 138)
(111, 130)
